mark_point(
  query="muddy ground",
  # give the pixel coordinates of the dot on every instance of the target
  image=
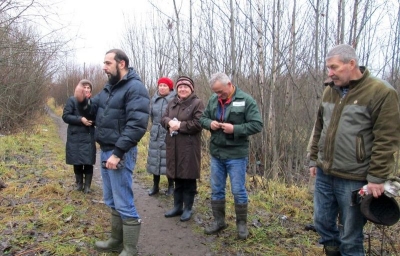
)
(159, 235)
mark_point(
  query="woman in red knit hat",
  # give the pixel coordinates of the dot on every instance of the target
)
(156, 159)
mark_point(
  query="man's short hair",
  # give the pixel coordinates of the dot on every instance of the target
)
(86, 82)
(120, 55)
(345, 52)
(219, 77)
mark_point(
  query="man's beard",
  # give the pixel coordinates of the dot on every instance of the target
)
(114, 79)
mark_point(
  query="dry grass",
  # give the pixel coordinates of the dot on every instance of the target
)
(58, 110)
(41, 214)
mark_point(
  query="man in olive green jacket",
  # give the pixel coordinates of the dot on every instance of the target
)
(231, 116)
(355, 136)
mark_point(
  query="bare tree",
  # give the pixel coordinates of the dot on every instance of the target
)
(274, 50)
(178, 35)
(233, 50)
(353, 30)
(27, 62)
(271, 132)
(340, 21)
(191, 40)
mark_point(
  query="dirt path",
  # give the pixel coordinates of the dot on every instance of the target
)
(158, 236)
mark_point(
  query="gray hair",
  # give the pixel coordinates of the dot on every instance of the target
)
(345, 52)
(219, 77)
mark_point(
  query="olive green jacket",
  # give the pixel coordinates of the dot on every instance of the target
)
(356, 136)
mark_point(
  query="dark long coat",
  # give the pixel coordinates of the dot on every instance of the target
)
(81, 146)
(184, 149)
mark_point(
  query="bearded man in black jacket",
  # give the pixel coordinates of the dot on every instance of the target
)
(122, 112)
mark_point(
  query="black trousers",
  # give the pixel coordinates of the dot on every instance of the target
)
(186, 186)
(83, 169)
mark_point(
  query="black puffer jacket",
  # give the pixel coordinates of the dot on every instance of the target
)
(80, 147)
(122, 114)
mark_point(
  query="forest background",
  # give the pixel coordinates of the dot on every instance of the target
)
(274, 50)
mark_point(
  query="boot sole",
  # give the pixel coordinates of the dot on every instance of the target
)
(217, 231)
(116, 249)
(242, 237)
(153, 193)
(185, 219)
(173, 215)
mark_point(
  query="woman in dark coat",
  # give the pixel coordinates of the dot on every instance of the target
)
(80, 148)
(183, 142)
(156, 157)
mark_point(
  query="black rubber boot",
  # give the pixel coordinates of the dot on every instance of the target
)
(218, 209)
(114, 243)
(131, 231)
(241, 221)
(178, 204)
(170, 190)
(156, 185)
(79, 182)
(188, 199)
(331, 250)
(88, 183)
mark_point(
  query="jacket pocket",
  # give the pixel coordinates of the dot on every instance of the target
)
(360, 148)
(236, 117)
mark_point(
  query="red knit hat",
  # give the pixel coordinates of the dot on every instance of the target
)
(167, 81)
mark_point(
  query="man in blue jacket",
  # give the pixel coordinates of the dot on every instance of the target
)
(231, 116)
(122, 112)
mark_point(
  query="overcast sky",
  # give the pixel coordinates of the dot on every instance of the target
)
(98, 25)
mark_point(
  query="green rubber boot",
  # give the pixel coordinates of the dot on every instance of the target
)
(114, 243)
(131, 230)
(241, 221)
(218, 209)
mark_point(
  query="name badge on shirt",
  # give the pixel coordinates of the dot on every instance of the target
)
(238, 104)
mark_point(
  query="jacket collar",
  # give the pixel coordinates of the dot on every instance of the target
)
(352, 83)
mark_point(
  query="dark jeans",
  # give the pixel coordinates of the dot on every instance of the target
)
(332, 198)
